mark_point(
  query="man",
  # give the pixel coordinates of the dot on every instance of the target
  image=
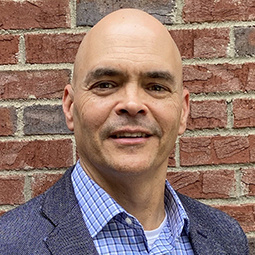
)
(126, 106)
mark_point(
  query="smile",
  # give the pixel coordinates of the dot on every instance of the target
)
(130, 135)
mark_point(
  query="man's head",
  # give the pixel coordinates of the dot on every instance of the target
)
(126, 104)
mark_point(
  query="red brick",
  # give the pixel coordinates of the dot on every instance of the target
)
(52, 48)
(42, 182)
(219, 78)
(204, 184)
(171, 159)
(219, 184)
(244, 214)
(214, 150)
(207, 114)
(187, 183)
(244, 115)
(250, 84)
(222, 10)
(12, 190)
(39, 84)
(252, 147)
(248, 182)
(36, 154)
(9, 48)
(8, 120)
(204, 43)
(34, 14)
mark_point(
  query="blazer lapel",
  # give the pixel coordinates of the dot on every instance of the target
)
(70, 234)
(200, 239)
(203, 241)
(202, 236)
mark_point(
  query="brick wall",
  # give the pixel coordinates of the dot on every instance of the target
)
(214, 161)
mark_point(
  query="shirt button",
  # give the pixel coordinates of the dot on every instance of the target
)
(128, 221)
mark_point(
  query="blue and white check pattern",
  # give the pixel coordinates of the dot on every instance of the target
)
(115, 231)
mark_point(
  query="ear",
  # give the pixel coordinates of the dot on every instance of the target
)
(67, 104)
(185, 111)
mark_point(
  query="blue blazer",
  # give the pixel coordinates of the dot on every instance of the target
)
(52, 223)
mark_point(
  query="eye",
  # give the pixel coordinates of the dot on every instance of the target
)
(157, 88)
(104, 88)
(104, 85)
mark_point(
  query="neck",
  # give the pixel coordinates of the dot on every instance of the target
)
(145, 201)
(141, 195)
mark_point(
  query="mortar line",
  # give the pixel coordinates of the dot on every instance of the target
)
(72, 6)
(22, 50)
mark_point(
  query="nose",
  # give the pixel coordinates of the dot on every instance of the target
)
(131, 102)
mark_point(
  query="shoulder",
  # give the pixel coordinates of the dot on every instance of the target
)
(223, 230)
(24, 228)
(202, 212)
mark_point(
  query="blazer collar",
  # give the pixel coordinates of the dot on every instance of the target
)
(70, 234)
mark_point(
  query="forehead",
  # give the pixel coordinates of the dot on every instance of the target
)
(131, 48)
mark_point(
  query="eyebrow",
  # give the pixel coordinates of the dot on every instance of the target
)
(101, 72)
(165, 75)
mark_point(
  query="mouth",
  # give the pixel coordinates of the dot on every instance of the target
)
(130, 135)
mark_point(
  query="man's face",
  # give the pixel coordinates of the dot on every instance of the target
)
(128, 106)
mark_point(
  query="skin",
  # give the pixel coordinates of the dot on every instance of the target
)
(126, 106)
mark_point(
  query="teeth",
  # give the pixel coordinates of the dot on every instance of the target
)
(130, 135)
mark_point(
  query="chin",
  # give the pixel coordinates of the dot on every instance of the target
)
(132, 168)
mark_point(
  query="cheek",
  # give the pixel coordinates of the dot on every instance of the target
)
(168, 117)
(92, 113)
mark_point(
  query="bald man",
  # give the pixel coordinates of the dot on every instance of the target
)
(126, 106)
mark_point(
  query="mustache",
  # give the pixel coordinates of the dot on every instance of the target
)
(137, 123)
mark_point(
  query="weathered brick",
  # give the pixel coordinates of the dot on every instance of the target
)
(245, 40)
(219, 78)
(41, 182)
(90, 12)
(36, 154)
(44, 119)
(186, 182)
(214, 150)
(8, 121)
(219, 184)
(9, 48)
(248, 182)
(33, 84)
(207, 114)
(222, 10)
(12, 190)
(244, 115)
(204, 184)
(244, 214)
(204, 43)
(34, 14)
(52, 48)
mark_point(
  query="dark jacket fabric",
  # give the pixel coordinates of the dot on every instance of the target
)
(52, 223)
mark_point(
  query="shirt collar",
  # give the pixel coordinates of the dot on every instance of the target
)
(98, 207)
(178, 219)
